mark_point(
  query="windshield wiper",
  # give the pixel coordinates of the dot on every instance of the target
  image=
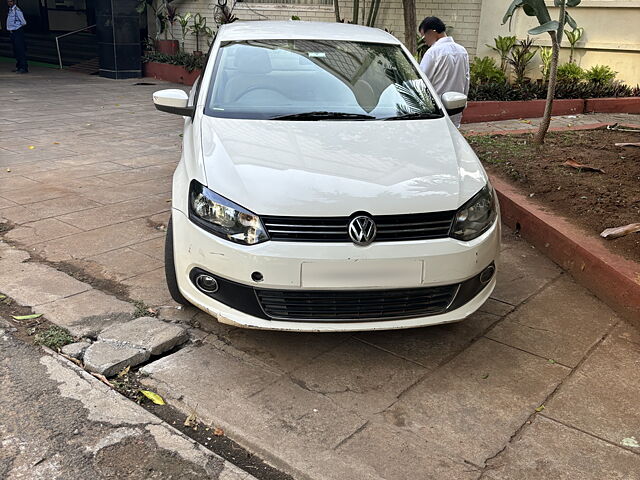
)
(324, 116)
(415, 116)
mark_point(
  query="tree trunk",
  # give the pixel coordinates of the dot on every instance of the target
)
(370, 14)
(355, 11)
(375, 13)
(556, 38)
(336, 9)
(409, 7)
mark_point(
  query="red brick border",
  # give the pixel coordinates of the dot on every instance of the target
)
(170, 73)
(489, 111)
(612, 278)
(612, 105)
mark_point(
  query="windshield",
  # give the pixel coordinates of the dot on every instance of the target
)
(317, 79)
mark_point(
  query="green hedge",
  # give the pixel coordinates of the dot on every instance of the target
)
(503, 91)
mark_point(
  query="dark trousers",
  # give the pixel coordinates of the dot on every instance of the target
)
(19, 49)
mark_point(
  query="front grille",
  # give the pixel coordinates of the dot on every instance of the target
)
(322, 305)
(415, 226)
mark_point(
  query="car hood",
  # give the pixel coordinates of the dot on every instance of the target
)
(336, 168)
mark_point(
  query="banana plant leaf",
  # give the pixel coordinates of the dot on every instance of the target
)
(511, 10)
(532, 8)
(551, 26)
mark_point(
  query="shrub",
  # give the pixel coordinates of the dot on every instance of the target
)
(484, 70)
(188, 61)
(570, 72)
(503, 46)
(507, 92)
(600, 74)
(564, 90)
(611, 89)
(520, 57)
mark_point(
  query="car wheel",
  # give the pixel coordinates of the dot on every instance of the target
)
(170, 268)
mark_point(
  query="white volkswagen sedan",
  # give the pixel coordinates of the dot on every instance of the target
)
(323, 187)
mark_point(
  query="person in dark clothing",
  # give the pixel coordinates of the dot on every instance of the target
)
(15, 25)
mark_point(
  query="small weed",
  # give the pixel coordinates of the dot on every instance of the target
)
(5, 227)
(143, 310)
(53, 337)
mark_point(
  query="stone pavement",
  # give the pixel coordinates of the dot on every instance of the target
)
(541, 383)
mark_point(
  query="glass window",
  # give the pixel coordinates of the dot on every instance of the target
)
(264, 79)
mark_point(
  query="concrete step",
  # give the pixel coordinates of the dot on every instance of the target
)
(90, 67)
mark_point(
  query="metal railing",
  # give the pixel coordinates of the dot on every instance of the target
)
(66, 35)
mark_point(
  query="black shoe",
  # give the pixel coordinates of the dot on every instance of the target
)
(22, 71)
(14, 70)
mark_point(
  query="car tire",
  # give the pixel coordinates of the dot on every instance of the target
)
(170, 268)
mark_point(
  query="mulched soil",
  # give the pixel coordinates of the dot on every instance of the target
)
(591, 200)
(25, 330)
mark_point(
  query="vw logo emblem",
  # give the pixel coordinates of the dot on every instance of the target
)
(362, 230)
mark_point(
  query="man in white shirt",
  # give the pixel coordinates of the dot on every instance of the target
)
(446, 64)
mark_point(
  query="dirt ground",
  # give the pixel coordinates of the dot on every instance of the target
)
(591, 200)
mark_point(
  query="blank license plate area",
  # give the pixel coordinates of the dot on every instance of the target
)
(362, 274)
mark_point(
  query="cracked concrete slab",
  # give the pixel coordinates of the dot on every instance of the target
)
(108, 358)
(146, 333)
(76, 349)
(88, 313)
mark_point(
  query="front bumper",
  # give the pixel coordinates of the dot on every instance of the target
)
(288, 267)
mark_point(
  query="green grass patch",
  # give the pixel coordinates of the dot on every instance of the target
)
(31, 62)
(54, 337)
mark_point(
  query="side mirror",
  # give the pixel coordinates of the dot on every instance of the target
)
(173, 101)
(454, 102)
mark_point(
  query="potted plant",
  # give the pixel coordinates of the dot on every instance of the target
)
(165, 17)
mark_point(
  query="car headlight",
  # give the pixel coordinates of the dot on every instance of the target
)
(224, 218)
(476, 216)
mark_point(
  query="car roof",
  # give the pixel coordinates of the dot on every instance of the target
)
(296, 29)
